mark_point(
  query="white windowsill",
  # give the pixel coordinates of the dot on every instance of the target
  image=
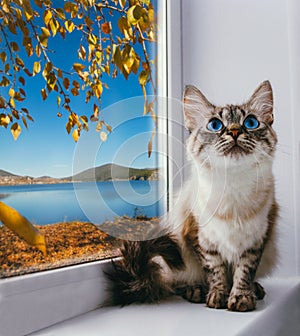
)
(277, 314)
(31, 302)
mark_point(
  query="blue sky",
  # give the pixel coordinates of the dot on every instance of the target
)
(46, 148)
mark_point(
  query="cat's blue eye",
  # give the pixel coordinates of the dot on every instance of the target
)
(251, 122)
(215, 125)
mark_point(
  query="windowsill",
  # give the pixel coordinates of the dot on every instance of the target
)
(35, 301)
(279, 312)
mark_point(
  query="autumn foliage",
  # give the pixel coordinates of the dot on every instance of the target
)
(114, 38)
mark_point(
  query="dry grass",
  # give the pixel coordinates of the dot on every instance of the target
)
(69, 244)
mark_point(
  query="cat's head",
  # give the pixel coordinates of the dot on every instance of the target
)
(233, 132)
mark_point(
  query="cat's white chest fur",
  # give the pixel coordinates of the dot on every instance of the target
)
(231, 207)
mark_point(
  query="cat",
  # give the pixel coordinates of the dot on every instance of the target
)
(221, 232)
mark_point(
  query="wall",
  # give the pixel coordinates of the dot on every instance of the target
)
(229, 47)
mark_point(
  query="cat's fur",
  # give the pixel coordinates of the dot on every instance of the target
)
(221, 231)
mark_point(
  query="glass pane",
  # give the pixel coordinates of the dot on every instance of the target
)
(70, 67)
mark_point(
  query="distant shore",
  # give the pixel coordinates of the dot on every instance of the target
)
(20, 180)
(33, 181)
(107, 172)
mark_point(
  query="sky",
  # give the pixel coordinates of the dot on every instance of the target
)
(45, 149)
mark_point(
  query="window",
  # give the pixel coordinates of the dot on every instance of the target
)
(58, 294)
(112, 175)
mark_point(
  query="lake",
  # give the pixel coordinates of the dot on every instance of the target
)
(86, 201)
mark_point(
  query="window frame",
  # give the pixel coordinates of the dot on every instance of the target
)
(31, 302)
(293, 7)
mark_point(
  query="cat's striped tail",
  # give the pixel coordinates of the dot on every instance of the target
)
(136, 277)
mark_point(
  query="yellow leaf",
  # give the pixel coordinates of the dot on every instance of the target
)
(75, 135)
(43, 40)
(12, 219)
(69, 26)
(44, 94)
(19, 62)
(36, 68)
(5, 7)
(117, 57)
(92, 39)
(4, 82)
(82, 52)
(45, 31)
(97, 89)
(125, 27)
(85, 122)
(27, 9)
(143, 77)
(15, 130)
(151, 14)
(38, 50)
(84, 118)
(11, 92)
(130, 17)
(96, 111)
(99, 125)
(78, 67)
(4, 120)
(135, 66)
(54, 25)
(134, 14)
(47, 16)
(75, 92)
(103, 136)
(61, 14)
(69, 126)
(12, 102)
(122, 3)
(109, 128)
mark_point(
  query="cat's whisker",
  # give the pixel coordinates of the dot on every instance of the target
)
(279, 149)
(262, 151)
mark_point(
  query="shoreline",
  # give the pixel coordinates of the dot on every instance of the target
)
(67, 182)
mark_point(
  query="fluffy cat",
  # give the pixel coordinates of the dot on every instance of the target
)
(220, 235)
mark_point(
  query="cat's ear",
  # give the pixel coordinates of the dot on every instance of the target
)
(261, 102)
(196, 106)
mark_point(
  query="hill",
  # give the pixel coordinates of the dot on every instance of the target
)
(110, 172)
(5, 173)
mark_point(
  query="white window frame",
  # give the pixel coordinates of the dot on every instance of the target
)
(293, 7)
(31, 302)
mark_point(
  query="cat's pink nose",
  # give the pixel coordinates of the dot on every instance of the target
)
(234, 130)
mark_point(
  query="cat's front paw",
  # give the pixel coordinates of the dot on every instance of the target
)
(192, 293)
(259, 291)
(217, 298)
(242, 302)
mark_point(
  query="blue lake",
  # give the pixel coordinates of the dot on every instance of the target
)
(87, 201)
